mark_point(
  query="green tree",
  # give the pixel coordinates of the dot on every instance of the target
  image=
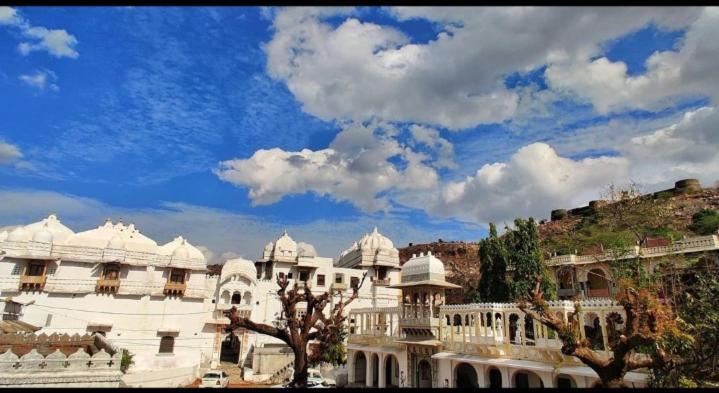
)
(525, 256)
(126, 360)
(705, 222)
(493, 259)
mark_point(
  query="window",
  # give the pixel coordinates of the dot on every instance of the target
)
(167, 344)
(382, 273)
(177, 276)
(112, 271)
(304, 275)
(289, 276)
(258, 267)
(36, 269)
(339, 278)
(51, 270)
(321, 280)
(17, 269)
(354, 281)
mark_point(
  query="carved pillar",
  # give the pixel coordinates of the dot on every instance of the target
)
(350, 366)
(369, 372)
(603, 324)
(381, 375)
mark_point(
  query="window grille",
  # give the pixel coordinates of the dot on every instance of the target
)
(321, 280)
(339, 278)
(17, 270)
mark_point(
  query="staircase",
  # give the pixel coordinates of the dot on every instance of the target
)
(248, 358)
(283, 373)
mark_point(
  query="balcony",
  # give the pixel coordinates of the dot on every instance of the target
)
(175, 288)
(603, 292)
(380, 282)
(109, 285)
(339, 286)
(32, 283)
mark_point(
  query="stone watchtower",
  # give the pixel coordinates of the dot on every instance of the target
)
(423, 284)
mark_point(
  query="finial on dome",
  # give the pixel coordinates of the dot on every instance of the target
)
(52, 216)
(374, 231)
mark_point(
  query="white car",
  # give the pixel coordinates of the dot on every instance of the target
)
(215, 379)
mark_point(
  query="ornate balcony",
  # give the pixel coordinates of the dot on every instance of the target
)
(339, 286)
(380, 282)
(32, 283)
(109, 285)
(175, 288)
(567, 292)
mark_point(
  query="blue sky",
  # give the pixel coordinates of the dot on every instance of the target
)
(415, 120)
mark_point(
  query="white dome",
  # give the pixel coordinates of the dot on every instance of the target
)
(239, 266)
(43, 235)
(59, 233)
(376, 241)
(180, 248)
(3, 235)
(306, 250)
(269, 246)
(181, 252)
(423, 267)
(116, 243)
(18, 234)
(285, 246)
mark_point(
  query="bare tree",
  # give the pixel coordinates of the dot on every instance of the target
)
(646, 320)
(298, 331)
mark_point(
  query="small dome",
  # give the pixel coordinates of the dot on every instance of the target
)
(285, 246)
(239, 266)
(306, 250)
(182, 252)
(116, 243)
(376, 241)
(43, 235)
(423, 267)
(18, 234)
(269, 246)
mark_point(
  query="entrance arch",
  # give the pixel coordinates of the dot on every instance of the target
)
(466, 376)
(391, 371)
(360, 367)
(236, 298)
(375, 370)
(424, 374)
(495, 378)
(527, 379)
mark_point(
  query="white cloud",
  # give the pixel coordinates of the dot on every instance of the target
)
(532, 182)
(9, 153)
(57, 42)
(432, 138)
(41, 80)
(362, 71)
(670, 74)
(355, 167)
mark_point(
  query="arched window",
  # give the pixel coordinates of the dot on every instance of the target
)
(167, 344)
(248, 298)
(236, 298)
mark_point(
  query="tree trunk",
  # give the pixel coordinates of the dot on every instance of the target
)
(299, 379)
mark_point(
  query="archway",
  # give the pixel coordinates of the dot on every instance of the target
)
(230, 349)
(375, 370)
(513, 322)
(527, 379)
(424, 374)
(225, 297)
(391, 371)
(564, 381)
(529, 330)
(248, 298)
(236, 298)
(458, 323)
(597, 283)
(466, 376)
(360, 367)
(495, 378)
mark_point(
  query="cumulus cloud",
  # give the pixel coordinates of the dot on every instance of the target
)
(356, 167)
(432, 138)
(57, 42)
(362, 70)
(532, 182)
(9, 153)
(41, 80)
(670, 75)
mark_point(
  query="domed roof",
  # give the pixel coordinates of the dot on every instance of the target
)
(269, 246)
(306, 250)
(116, 243)
(375, 241)
(58, 232)
(180, 248)
(101, 237)
(239, 266)
(18, 234)
(43, 235)
(424, 270)
(285, 243)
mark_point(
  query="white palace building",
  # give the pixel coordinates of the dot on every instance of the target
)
(160, 303)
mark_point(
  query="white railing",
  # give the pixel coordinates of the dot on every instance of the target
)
(56, 362)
